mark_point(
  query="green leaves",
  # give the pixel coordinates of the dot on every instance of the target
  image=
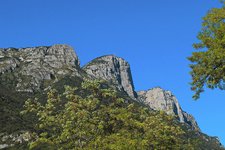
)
(101, 120)
(208, 65)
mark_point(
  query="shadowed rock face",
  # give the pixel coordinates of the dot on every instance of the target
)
(114, 69)
(31, 66)
(159, 99)
(189, 119)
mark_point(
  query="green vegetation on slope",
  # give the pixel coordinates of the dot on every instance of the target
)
(94, 117)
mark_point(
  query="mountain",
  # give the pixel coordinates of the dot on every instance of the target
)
(31, 72)
(113, 69)
(32, 67)
(117, 71)
(159, 99)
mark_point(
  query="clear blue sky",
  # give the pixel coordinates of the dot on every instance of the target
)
(155, 36)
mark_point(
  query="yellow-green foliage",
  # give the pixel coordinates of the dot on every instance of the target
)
(101, 120)
(208, 65)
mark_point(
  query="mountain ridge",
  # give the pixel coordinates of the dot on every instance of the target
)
(38, 68)
(107, 67)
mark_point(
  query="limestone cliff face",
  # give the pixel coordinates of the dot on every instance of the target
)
(159, 99)
(32, 66)
(113, 69)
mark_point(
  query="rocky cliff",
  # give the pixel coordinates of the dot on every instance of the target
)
(159, 99)
(113, 69)
(31, 67)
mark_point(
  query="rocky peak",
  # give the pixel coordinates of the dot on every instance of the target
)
(159, 99)
(113, 69)
(32, 66)
(56, 56)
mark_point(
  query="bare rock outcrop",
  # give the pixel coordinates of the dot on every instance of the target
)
(32, 66)
(159, 99)
(113, 69)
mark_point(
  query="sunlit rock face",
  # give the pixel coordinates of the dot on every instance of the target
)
(113, 69)
(32, 66)
(159, 99)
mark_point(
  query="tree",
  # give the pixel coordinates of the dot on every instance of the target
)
(208, 64)
(98, 119)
